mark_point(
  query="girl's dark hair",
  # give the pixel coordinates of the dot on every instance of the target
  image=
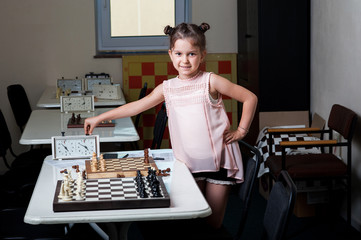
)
(188, 30)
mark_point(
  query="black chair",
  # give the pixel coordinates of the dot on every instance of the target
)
(197, 228)
(159, 127)
(18, 182)
(279, 207)
(251, 161)
(142, 94)
(324, 166)
(19, 104)
(13, 227)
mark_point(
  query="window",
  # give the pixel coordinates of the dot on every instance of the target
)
(137, 25)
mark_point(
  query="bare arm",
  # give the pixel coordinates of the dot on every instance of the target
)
(127, 110)
(241, 94)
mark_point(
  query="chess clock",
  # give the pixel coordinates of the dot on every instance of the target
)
(90, 82)
(72, 84)
(107, 91)
(84, 103)
(75, 147)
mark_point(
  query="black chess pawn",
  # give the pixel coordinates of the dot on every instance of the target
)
(78, 118)
(73, 118)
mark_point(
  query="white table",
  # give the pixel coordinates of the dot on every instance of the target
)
(186, 199)
(48, 100)
(45, 123)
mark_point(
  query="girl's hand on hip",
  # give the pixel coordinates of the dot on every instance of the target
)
(230, 136)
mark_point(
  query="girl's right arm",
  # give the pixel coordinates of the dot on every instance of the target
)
(127, 110)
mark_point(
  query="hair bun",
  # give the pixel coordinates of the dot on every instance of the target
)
(168, 30)
(204, 27)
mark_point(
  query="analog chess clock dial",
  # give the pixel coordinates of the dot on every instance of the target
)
(90, 82)
(77, 103)
(72, 84)
(107, 91)
(72, 147)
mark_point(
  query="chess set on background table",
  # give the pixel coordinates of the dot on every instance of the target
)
(78, 122)
(118, 167)
(112, 183)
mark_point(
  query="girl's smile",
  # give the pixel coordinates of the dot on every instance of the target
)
(186, 58)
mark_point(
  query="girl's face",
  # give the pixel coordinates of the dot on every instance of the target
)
(186, 58)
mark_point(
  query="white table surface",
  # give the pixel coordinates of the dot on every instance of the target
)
(186, 199)
(48, 100)
(45, 123)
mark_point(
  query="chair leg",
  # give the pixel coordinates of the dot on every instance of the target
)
(348, 188)
(270, 182)
(135, 145)
(6, 162)
(12, 152)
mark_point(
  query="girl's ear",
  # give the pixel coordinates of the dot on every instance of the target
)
(170, 53)
(204, 53)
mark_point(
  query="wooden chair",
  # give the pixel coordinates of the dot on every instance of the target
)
(323, 166)
(279, 208)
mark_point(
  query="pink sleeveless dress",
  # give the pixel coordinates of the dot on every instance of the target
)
(196, 126)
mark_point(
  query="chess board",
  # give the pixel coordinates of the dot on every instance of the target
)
(263, 143)
(111, 194)
(263, 146)
(79, 123)
(121, 167)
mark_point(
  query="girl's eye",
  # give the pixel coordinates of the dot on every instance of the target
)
(192, 54)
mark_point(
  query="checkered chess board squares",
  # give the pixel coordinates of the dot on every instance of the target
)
(126, 164)
(110, 189)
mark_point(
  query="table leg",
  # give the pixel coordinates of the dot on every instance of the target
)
(123, 230)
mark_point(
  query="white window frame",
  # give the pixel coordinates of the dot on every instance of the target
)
(106, 43)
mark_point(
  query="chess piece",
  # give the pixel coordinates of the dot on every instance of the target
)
(59, 92)
(78, 119)
(72, 118)
(67, 92)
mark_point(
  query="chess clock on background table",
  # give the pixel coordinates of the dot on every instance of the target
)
(84, 103)
(107, 91)
(90, 82)
(75, 147)
(72, 84)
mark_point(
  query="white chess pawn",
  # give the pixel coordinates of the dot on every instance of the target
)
(67, 191)
(62, 192)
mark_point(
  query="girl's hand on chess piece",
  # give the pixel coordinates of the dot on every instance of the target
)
(90, 124)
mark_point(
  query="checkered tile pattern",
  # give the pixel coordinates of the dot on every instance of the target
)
(275, 143)
(154, 69)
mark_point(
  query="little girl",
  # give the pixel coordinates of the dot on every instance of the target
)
(199, 127)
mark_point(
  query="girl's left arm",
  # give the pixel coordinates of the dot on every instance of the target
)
(241, 94)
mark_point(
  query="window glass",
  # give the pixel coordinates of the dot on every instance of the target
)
(137, 25)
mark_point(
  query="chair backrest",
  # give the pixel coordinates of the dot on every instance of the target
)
(342, 120)
(251, 161)
(279, 207)
(5, 139)
(19, 104)
(318, 122)
(159, 127)
(142, 94)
